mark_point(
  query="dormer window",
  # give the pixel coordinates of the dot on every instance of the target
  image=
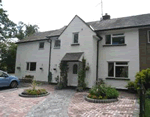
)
(57, 44)
(75, 37)
(115, 39)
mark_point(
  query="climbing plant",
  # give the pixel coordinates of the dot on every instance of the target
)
(63, 75)
(82, 75)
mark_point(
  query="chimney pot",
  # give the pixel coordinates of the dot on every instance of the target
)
(106, 16)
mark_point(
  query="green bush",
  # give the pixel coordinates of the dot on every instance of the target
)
(103, 92)
(112, 93)
(59, 86)
(131, 86)
(144, 76)
(34, 92)
(148, 93)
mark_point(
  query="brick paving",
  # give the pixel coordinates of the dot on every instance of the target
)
(55, 105)
(123, 108)
(12, 105)
(63, 103)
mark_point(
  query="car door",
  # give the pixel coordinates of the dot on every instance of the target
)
(4, 79)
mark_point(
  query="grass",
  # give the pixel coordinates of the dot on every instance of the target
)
(147, 108)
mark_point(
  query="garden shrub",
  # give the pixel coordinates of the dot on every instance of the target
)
(103, 92)
(148, 93)
(131, 86)
(34, 92)
(144, 76)
(111, 93)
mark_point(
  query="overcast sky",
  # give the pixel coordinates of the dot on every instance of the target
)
(54, 14)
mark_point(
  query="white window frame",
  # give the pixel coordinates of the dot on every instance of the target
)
(30, 65)
(148, 38)
(115, 69)
(73, 37)
(112, 35)
(39, 45)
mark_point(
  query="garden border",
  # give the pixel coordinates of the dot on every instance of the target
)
(100, 100)
(24, 95)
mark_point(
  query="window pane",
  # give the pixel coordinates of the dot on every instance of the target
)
(75, 69)
(57, 43)
(110, 69)
(41, 45)
(108, 39)
(121, 63)
(118, 40)
(122, 71)
(76, 38)
(32, 66)
(27, 66)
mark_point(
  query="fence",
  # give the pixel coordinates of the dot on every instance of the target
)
(142, 99)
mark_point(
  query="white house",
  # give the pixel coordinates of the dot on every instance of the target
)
(115, 50)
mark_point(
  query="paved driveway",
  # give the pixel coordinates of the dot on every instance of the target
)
(12, 105)
(63, 103)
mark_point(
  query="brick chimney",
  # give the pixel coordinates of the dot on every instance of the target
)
(106, 16)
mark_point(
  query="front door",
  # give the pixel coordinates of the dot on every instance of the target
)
(73, 73)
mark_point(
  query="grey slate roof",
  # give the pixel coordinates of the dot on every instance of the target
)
(42, 35)
(132, 21)
(116, 23)
(72, 56)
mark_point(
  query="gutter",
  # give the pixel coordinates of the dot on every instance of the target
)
(97, 60)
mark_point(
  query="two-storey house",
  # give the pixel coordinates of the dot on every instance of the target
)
(114, 49)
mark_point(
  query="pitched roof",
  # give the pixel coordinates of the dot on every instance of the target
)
(124, 22)
(110, 24)
(42, 35)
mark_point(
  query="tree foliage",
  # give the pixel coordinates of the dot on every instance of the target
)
(7, 27)
(24, 30)
(8, 56)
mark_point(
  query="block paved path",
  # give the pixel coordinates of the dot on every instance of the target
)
(125, 107)
(12, 105)
(55, 105)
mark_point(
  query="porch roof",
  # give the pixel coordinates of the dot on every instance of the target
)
(72, 57)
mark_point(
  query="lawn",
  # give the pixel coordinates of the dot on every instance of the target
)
(147, 108)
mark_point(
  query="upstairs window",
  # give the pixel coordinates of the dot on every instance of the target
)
(75, 69)
(118, 69)
(57, 44)
(115, 39)
(41, 45)
(31, 66)
(75, 37)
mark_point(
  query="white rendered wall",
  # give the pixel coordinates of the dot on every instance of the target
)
(87, 45)
(129, 53)
(30, 52)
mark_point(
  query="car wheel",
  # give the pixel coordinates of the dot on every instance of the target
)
(13, 84)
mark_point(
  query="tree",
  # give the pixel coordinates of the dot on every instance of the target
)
(24, 30)
(8, 56)
(7, 27)
(11, 57)
(20, 32)
(3, 53)
(31, 29)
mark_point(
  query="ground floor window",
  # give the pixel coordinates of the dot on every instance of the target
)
(118, 69)
(31, 66)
